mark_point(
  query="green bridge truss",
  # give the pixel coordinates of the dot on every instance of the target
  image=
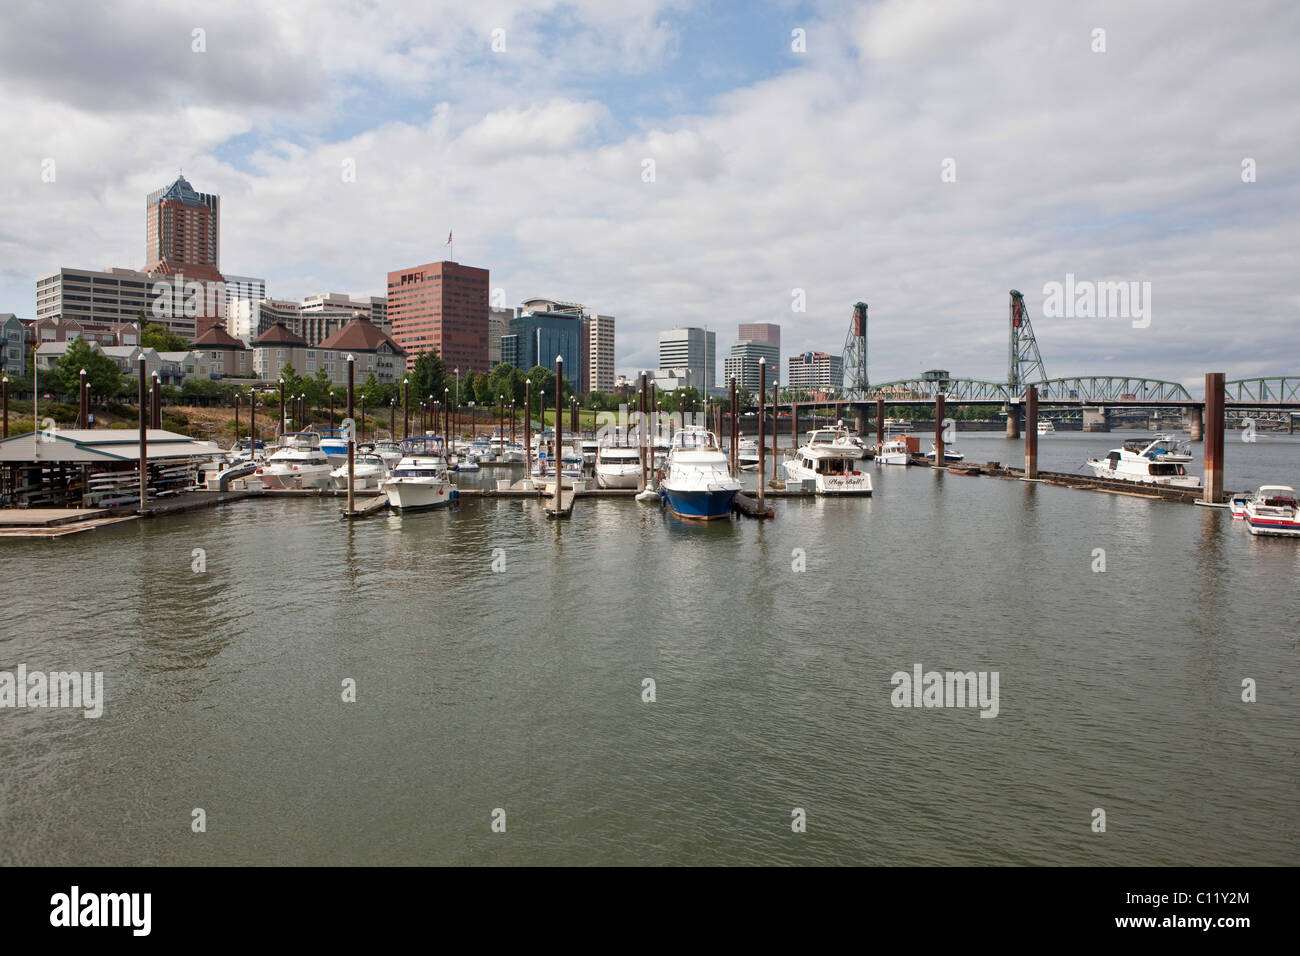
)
(1110, 390)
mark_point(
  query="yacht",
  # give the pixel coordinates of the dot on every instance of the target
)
(543, 458)
(618, 466)
(831, 469)
(1124, 464)
(297, 463)
(696, 479)
(1274, 510)
(368, 470)
(662, 446)
(838, 437)
(420, 479)
(389, 450)
(1163, 447)
(504, 450)
(893, 452)
(747, 455)
(1046, 427)
(588, 448)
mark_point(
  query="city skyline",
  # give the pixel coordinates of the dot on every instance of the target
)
(331, 172)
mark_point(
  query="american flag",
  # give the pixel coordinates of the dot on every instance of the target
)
(448, 242)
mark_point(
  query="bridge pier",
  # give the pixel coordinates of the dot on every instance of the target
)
(1196, 422)
(1096, 420)
(860, 419)
(880, 423)
(1013, 420)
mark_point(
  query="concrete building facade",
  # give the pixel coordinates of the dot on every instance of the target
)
(816, 370)
(694, 349)
(442, 307)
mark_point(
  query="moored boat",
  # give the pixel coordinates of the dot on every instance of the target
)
(618, 466)
(830, 468)
(420, 480)
(1124, 464)
(297, 463)
(368, 470)
(894, 452)
(696, 480)
(1273, 510)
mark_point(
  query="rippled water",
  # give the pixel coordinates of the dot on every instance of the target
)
(522, 689)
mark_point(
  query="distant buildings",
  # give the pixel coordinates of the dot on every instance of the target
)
(373, 350)
(687, 358)
(441, 306)
(84, 295)
(218, 354)
(757, 343)
(600, 353)
(816, 370)
(498, 325)
(766, 332)
(13, 345)
(243, 287)
(543, 330)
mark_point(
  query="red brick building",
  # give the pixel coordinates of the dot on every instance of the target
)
(441, 306)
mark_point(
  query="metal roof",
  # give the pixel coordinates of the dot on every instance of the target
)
(102, 445)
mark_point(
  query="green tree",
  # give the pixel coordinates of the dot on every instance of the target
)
(292, 382)
(467, 390)
(101, 371)
(428, 376)
(160, 339)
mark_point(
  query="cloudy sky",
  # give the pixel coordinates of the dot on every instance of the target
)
(782, 161)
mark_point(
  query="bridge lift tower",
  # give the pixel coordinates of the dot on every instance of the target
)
(855, 354)
(1026, 366)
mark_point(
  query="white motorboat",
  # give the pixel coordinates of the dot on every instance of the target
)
(420, 479)
(618, 466)
(1046, 427)
(298, 462)
(368, 470)
(747, 455)
(387, 449)
(838, 438)
(505, 451)
(544, 458)
(1123, 464)
(1273, 510)
(696, 480)
(830, 468)
(893, 452)
(334, 443)
(950, 454)
(588, 448)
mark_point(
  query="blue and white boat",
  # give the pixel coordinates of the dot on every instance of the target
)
(697, 481)
(334, 443)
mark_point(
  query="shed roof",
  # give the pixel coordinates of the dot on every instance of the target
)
(98, 445)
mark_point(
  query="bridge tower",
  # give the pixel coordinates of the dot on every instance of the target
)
(1026, 365)
(855, 354)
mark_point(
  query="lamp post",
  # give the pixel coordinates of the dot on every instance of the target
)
(392, 417)
(331, 409)
(4, 385)
(363, 416)
(512, 421)
(528, 428)
(352, 434)
(157, 401)
(446, 421)
(406, 408)
(281, 406)
(81, 399)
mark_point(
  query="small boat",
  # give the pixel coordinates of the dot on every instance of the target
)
(387, 449)
(696, 480)
(949, 453)
(297, 463)
(588, 448)
(894, 452)
(1124, 464)
(963, 470)
(747, 454)
(1237, 503)
(618, 466)
(838, 438)
(367, 472)
(830, 468)
(505, 451)
(1274, 510)
(420, 480)
(544, 458)
(1046, 427)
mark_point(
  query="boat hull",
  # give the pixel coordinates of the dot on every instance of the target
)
(1277, 527)
(618, 477)
(700, 505)
(419, 496)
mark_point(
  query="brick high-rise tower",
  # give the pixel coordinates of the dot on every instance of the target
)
(183, 232)
(442, 306)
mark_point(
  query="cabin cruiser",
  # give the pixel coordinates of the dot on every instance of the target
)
(368, 470)
(1161, 448)
(240, 453)
(544, 458)
(696, 480)
(1273, 510)
(1124, 464)
(838, 437)
(297, 463)
(618, 466)
(588, 448)
(661, 446)
(893, 452)
(506, 451)
(420, 479)
(747, 455)
(830, 468)
(387, 449)
(1046, 427)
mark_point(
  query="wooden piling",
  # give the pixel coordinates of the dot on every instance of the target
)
(406, 408)
(732, 444)
(776, 422)
(880, 423)
(157, 401)
(282, 409)
(938, 430)
(144, 440)
(1213, 437)
(559, 431)
(351, 435)
(1031, 432)
(4, 385)
(528, 428)
(641, 435)
(762, 413)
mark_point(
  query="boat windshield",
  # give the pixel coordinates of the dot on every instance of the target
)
(690, 438)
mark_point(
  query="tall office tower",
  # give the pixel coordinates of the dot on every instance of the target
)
(694, 349)
(766, 332)
(183, 232)
(441, 306)
(600, 353)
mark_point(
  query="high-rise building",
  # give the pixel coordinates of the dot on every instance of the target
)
(498, 325)
(600, 353)
(693, 349)
(247, 318)
(766, 332)
(243, 287)
(114, 295)
(745, 359)
(443, 307)
(183, 232)
(536, 338)
(816, 370)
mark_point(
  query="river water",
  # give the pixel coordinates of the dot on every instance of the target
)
(521, 689)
